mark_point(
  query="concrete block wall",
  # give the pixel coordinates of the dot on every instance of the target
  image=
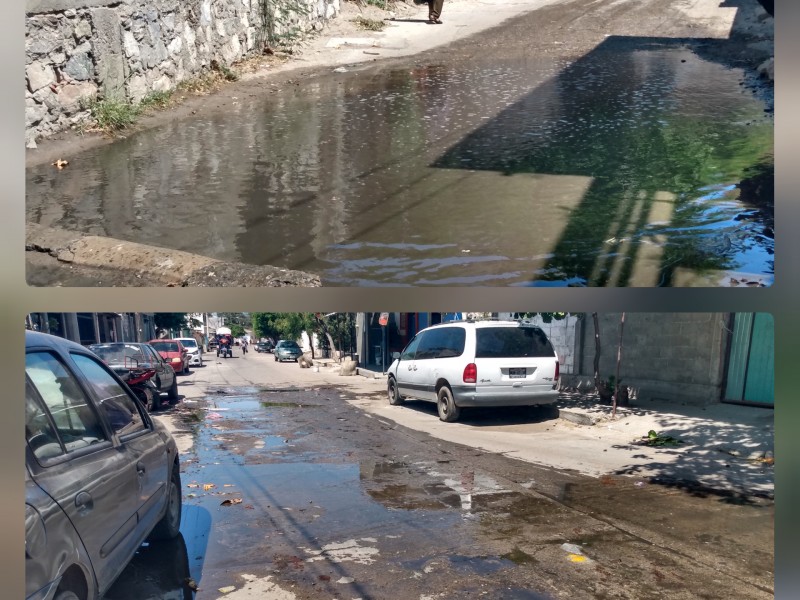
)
(77, 50)
(563, 335)
(674, 356)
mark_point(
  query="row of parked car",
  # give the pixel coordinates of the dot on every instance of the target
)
(150, 368)
(102, 475)
(283, 350)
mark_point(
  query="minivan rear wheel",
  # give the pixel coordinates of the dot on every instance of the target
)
(448, 411)
(395, 399)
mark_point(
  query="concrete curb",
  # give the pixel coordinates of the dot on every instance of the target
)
(170, 268)
(574, 417)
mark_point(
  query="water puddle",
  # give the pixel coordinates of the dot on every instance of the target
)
(624, 168)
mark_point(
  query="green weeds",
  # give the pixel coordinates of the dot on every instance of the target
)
(369, 24)
(113, 115)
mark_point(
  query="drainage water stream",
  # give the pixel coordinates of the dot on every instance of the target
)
(622, 168)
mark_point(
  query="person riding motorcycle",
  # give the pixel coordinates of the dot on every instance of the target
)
(225, 346)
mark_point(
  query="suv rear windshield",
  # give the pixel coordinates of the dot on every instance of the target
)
(511, 342)
(119, 353)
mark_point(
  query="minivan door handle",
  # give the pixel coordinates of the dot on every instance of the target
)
(84, 502)
(140, 468)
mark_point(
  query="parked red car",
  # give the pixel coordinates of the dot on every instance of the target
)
(174, 353)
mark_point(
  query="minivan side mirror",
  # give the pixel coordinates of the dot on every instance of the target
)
(395, 355)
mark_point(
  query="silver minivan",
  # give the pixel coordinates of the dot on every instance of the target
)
(101, 475)
(476, 364)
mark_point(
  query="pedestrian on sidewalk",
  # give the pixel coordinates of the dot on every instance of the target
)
(435, 11)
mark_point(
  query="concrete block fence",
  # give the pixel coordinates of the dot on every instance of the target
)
(78, 50)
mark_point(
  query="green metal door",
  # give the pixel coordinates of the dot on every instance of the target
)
(751, 362)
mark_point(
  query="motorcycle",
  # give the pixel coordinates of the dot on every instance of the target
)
(225, 342)
(141, 383)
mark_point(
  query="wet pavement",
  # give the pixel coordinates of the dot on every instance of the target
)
(297, 494)
(622, 167)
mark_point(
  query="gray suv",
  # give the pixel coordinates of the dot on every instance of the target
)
(476, 363)
(101, 475)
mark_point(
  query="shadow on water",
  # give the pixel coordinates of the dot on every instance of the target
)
(619, 169)
(162, 569)
(663, 139)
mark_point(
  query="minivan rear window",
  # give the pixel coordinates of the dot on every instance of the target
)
(511, 342)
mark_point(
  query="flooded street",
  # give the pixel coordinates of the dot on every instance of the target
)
(622, 167)
(291, 492)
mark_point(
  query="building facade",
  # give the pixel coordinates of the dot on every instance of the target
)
(697, 358)
(95, 328)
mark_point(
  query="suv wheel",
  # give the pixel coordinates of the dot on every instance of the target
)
(448, 411)
(172, 393)
(169, 525)
(395, 399)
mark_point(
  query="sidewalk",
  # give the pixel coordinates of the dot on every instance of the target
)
(723, 447)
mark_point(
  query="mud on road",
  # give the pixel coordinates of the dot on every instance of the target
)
(298, 494)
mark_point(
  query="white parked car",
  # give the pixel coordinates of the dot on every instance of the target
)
(194, 351)
(476, 363)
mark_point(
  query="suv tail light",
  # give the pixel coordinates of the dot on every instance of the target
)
(555, 378)
(471, 373)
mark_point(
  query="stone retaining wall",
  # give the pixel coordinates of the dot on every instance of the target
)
(77, 50)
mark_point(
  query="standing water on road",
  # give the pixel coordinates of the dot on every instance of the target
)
(624, 168)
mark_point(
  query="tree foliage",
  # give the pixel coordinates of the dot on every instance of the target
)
(288, 326)
(170, 322)
(339, 330)
(339, 326)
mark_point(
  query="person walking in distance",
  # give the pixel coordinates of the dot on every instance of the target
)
(435, 11)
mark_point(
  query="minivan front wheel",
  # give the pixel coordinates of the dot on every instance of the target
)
(395, 399)
(448, 411)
